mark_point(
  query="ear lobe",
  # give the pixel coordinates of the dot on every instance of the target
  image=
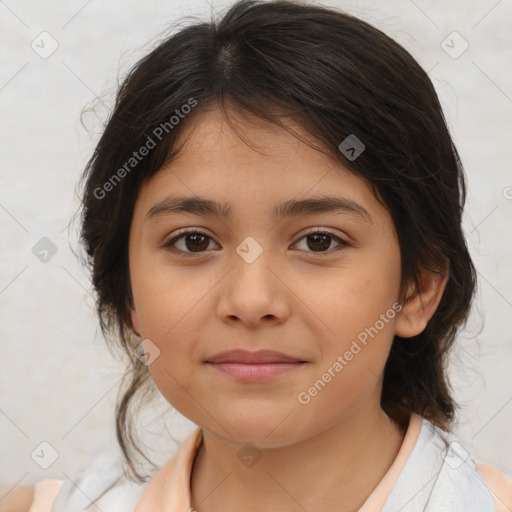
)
(421, 303)
(135, 322)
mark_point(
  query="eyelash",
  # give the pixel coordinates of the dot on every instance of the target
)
(181, 234)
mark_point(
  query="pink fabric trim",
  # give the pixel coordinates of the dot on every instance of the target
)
(380, 494)
(169, 489)
(45, 492)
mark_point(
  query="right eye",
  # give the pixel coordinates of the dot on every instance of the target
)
(192, 241)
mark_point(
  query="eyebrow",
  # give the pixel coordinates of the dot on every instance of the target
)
(208, 207)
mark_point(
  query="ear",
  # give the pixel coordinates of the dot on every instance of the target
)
(135, 321)
(421, 303)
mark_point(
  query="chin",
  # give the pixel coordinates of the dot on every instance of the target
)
(263, 430)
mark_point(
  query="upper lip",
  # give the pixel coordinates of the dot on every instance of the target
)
(244, 356)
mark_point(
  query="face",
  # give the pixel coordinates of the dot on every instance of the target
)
(318, 285)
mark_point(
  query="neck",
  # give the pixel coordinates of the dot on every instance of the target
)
(337, 469)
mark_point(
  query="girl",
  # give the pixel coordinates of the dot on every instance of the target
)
(272, 218)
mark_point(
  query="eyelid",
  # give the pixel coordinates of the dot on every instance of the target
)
(314, 231)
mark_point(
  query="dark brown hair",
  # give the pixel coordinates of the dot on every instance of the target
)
(336, 76)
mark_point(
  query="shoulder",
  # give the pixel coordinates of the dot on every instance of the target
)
(17, 499)
(110, 492)
(103, 483)
(499, 485)
(25, 498)
(443, 474)
(458, 459)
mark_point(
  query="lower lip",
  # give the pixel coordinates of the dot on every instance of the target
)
(256, 372)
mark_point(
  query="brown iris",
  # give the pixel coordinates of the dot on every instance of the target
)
(324, 239)
(199, 242)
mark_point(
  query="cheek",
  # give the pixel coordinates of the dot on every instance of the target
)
(352, 364)
(169, 305)
(167, 298)
(357, 299)
(358, 306)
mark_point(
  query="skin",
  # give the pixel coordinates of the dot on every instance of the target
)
(18, 499)
(306, 300)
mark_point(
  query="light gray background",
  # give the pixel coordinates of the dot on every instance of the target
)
(58, 382)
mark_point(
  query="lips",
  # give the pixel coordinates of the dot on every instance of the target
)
(263, 365)
(259, 357)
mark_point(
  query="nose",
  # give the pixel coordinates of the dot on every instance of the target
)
(253, 293)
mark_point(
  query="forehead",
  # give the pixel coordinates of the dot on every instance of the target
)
(254, 166)
(241, 135)
(249, 147)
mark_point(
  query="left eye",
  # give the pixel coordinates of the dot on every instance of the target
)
(198, 242)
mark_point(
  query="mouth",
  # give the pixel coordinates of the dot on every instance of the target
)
(254, 366)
